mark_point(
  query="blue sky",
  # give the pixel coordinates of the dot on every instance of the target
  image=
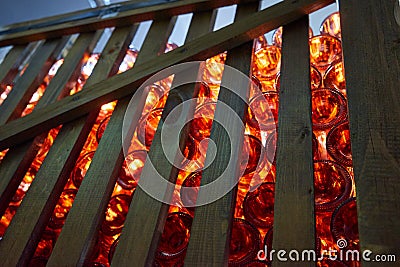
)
(13, 11)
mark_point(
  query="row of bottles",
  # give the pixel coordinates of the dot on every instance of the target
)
(335, 206)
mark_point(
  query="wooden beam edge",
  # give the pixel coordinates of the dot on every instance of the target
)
(121, 85)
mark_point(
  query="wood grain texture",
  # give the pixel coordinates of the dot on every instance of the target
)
(371, 45)
(124, 18)
(99, 182)
(211, 228)
(32, 216)
(18, 159)
(143, 227)
(397, 11)
(9, 66)
(108, 64)
(124, 84)
(24, 88)
(294, 220)
(69, 71)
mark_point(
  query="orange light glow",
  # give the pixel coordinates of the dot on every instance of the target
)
(331, 26)
(254, 210)
(324, 50)
(334, 77)
(5, 93)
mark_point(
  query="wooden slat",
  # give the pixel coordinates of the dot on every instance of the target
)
(24, 88)
(143, 227)
(372, 62)
(294, 223)
(25, 230)
(81, 227)
(124, 18)
(69, 71)
(18, 159)
(397, 12)
(124, 84)
(211, 228)
(9, 66)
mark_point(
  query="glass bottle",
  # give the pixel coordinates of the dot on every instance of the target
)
(254, 150)
(328, 108)
(148, 126)
(81, 167)
(263, 111)
(260, 42)
(112, 250)
(267, 62)
(62, 208)
(175, 236)
(189, 196)
(46, 244)
(332, 185)
(315, 147)
(268, 240)
(258, 205)
(338, 144)
(202, 123)
(101, 128)
(131, 169)
(129, 60)
(244, 243)
(344, 224)
(270, 146)
(116, 214)
(334, 77)
(331, 26)
(324, 50)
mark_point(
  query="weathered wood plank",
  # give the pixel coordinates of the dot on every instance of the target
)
(81, 228)
(143, 227)
(9, 66)
(211, 228)
(372, 62)
(116, 18)
(24, 88)
(32, 216)
(294, 220)
(18, 159)
(397, 12)
(124, 84)
(70, 70)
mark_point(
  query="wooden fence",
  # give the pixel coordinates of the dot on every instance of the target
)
(371, 47)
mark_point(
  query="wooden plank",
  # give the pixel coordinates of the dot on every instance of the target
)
(9, 66)
(143, 227)
(115, 18)
(32, 216)
(69, 71)
(24, 88)
(294, 220)
(372, 61)
(124, 84)
(211, 228)
(18, 159)
(87, 213)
